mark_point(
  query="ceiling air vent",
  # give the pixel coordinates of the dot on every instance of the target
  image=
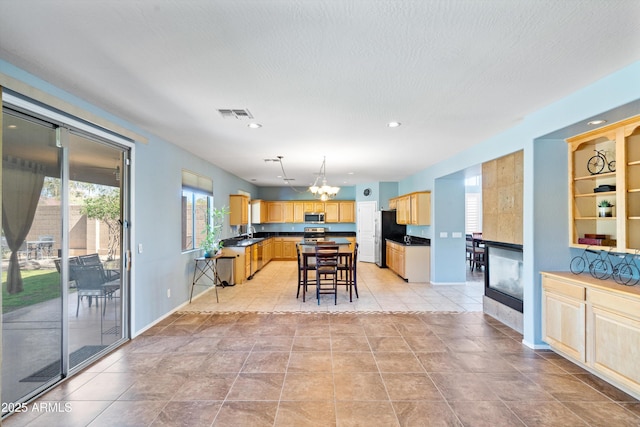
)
(236, 114)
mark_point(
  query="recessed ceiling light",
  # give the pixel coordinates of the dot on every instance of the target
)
(596, 122)
(12, 126)
(393, 124)
(254, 125)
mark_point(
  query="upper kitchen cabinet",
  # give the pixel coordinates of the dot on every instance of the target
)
(604, 166)
(313, 206)
(347, 211)
(258, 212)
(420, 208)
(288, 208)
(413, 208)
(275, 212)
(298, 211)
(339, 211)
(331, 212)
(238, 209)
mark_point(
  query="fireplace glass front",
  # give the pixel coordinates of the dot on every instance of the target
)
(504, 276)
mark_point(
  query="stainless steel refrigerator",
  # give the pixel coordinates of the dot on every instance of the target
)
(386, 227)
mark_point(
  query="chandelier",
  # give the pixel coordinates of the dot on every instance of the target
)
(323, 192)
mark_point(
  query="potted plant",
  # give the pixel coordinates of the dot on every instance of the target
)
(605, 208)
(212, 242)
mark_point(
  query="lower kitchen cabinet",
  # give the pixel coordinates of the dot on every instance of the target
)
(247, 258)
(409, 262)
(285, 248)
(596, 324)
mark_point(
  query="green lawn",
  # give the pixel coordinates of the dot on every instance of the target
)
(37, 285)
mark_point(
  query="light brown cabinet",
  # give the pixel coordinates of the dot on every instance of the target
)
(595, 323)
(275, 212)
(347, 211)
(564, 317)
(238, 209)
(332, 211)
(280, 211)
(607, 158)
(298, 212)
(412, 263)
(403, 210)
(339, 211)
(258, 212)
(313, 206)
(287, 207)
(413, 208)
(277, 248)
(395, 258)
(285, 248)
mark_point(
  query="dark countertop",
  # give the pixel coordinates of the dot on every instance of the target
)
(415, 241)
(238, 242)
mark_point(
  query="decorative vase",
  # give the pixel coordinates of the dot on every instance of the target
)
(605, 211)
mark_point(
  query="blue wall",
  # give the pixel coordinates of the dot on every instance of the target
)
(156, 214)
(157, 185)
(448, 196)
(540, 176)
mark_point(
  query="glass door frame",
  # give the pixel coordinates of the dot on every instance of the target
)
(64, 125)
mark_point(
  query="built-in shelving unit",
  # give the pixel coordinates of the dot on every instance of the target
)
(618, 143)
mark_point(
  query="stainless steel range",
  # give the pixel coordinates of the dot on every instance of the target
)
(314, 234)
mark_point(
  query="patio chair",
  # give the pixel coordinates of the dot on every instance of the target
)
(94, 259)
(92, 282)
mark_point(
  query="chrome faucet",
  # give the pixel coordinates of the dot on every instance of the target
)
(250, 231)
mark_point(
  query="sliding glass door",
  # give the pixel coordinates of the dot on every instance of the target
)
(64, 207)
(94, 261)
(31, 238)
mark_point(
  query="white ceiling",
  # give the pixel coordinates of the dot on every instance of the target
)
(322, 77)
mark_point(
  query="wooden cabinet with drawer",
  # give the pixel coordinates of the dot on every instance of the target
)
(563, 317)
(596, 324)
(409, 262)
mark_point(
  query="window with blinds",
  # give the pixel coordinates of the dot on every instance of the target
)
(473, 212)
(197, 200)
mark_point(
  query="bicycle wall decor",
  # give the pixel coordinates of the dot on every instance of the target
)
(622, 267)
(596, 164)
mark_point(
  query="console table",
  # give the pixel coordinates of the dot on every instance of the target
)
(207, 268)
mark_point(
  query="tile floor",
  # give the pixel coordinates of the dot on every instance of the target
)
(207, 367)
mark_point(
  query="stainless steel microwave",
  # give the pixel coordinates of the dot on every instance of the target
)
(314, 217)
